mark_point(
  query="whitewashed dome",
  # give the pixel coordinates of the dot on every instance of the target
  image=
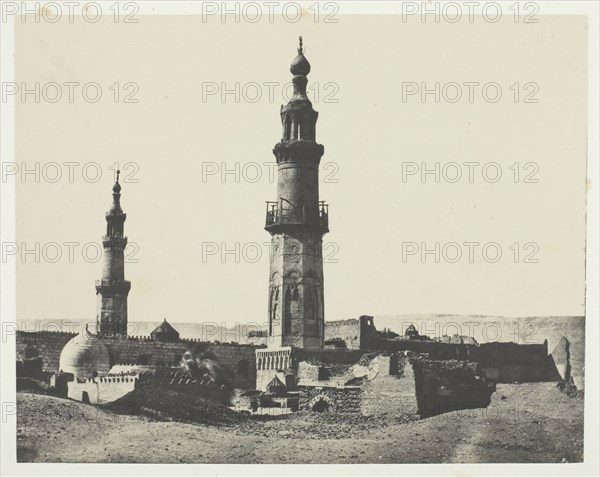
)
(83, 355)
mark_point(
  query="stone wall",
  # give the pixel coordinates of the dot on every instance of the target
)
(504, 362)
(507, 362)
(49, 344)
(183, 383)
(526, 373)
(330, 356)
(391, 392)
(501, 353)
(270, 360)
(111, 387)
(385, 390)
(438, 350)
(355, 333)
(102, 389)
(239, 359)
(307, 373)
(338, 399)
(443, 386)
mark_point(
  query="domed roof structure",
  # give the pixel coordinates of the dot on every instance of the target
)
(84, 355)
(300, 65)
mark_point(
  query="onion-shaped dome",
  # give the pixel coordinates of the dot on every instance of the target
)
(116, 205)
(84, 356)
(300, 65)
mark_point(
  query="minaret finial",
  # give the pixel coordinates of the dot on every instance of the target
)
(117, 186)
(300, 66)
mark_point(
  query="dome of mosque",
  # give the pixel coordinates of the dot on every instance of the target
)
(84, 356)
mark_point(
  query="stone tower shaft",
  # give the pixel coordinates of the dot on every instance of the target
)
(297, 221)
(112, 290)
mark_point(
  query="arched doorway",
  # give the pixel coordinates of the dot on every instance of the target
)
(321, 404)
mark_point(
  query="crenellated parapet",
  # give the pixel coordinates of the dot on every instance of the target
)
(239, 359)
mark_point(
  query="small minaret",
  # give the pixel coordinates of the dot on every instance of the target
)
(112, 289)
(297, 221)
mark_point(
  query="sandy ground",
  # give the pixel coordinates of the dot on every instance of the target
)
(524, 423)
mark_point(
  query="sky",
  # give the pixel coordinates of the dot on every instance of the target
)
(197, 164)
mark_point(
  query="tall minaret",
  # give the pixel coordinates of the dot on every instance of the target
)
(112, 289)
(297, 222)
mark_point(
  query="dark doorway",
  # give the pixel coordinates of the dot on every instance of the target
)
(321, 406)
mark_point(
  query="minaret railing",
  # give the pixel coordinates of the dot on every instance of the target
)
(278, 215)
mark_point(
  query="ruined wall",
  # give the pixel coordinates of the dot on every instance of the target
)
(338, 400)
(382, 387)
(346, 330)
(239, 359)
(270, 360)
(391, 392)
(511, 353)
(507, 362)
(438, 350)
(504, 362)
(356, 333)
(443, 386)
(307, 373)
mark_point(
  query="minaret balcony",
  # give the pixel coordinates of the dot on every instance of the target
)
(109, 286)
(112, 241)
(280, 218)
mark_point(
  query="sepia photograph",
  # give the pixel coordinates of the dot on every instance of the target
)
(361, 236)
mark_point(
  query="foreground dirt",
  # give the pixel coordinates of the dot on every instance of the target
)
(524, 423)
